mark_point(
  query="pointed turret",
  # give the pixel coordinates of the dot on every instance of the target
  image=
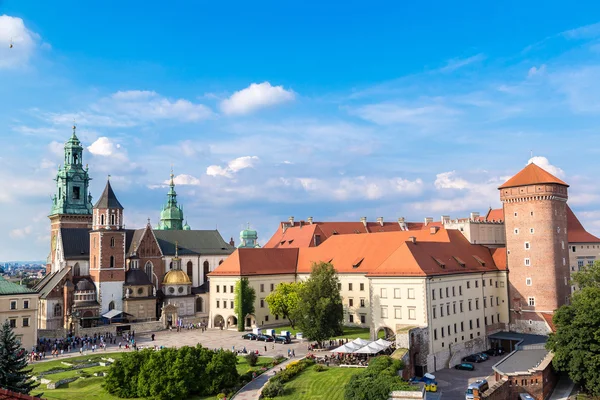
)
(171, 216)
(108, 199)
(108, 211)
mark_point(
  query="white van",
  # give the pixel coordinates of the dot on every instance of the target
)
(481, 385)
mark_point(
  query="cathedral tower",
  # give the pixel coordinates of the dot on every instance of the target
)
(107, 251)
(535, 217)
(72, 203)
(171, 216)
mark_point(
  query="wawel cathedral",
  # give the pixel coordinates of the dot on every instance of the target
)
(97, 270)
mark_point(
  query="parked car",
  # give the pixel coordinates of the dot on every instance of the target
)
(465, 366)
(472, 358)
(481, 385)
(249, 336)
(483, 356)
(498, 351)
(265, 338)
(282, 339)
(526, 396)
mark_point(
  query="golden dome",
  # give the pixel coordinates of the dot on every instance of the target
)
(176, 277)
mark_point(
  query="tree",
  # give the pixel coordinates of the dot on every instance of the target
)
(321, 313)
(284, 300)
(14, 374)
(244, 304)
(576, 342)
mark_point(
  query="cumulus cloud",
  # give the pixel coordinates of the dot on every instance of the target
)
(20, 233)
(544, 163)
(449, 180)
(254, 97)
(104, 146)
(184, 179)
(232, 167)
(23, 40)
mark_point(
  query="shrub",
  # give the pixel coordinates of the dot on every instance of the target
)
(273, 389)
(252, 359)
(320, 368)
(377, 381)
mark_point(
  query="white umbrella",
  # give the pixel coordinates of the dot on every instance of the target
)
(372, 348)
(384, 343)
(361, 342)
(347, 348)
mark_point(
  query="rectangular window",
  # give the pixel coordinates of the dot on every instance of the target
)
(383, 293)
(262, 287)
(531, 230)
(231, 305)
(497, 301)
(433, 311)
(485, 321)
(339, 286)
(25, 304)
(25, 322)
(447, 292)
(461, 306)
(476, 284)
(455, 329)
(397, 293)
(362, 303)
(384, 312)
(412, 313)
(272, 287)
(262, 303)
(266, 318)
(492, 320)
(224, 289)
(460, 290)
(13, 323)
(218, 288)
(441, 311)
(351, 318)
(477, 322)
(531, 301)
(443, 335)
(13, 304)
(527, 246)
(433, 294)
(453, 293)
(362, 287)
(462, 326)
(574, 249)
(448, 309)
(350, 286)
(218, 303)
(231, 288)
(528, 281)
(470, 307)
(485, 302)
(276, 317)
(76, 192)
(516, 231)
(398, 312)
(363, 319)
(351, 302)
(477, 304)
(224, 303)
(441, 294)
(454, 308)
(483, 282)
(527, 262)
(471, 324)
(435, 334)
(468, 285)
(411, 293)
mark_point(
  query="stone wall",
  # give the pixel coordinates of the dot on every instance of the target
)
(454, 353)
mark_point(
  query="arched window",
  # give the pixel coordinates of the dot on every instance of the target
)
(102, 219)
(111, 306)
(149, 269)
(112, 262)
(199, 304)
(112, 219)
(206, 271)
(57, 310)
(112, 241)
(190, 267)
(76, 270)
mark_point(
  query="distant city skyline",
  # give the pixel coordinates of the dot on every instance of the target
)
(335, 111)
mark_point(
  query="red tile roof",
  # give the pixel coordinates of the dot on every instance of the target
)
(495, 215)
(531, 175)
(385, 254)
(10, 395)
(499, 256)
(548, 318)
(246, 262)
(576, 232)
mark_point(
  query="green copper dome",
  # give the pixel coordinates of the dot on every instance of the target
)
(171, 216)
(248, 238)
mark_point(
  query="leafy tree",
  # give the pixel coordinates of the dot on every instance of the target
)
(14, 374)
(244, 304)
(377, 381)
(576, 342)
(251, 359)
(122, 377)
(284, 300)
(223, 371)
(320, 315)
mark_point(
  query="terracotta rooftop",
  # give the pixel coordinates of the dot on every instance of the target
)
(548, 318)
(576, 232)
(531, 175)
(405, 253)
(6, 394)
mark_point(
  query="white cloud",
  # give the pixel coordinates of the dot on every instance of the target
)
(449, 180)
(23, 40)
(392, 114)
(457, 63)
(584, 32)
(360, 187)
(545, 164)
(533, 71)
(104, 146)
(184, 179)
(232, 167)
(20, 233)
(254, 97)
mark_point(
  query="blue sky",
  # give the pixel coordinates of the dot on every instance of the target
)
(335, 111)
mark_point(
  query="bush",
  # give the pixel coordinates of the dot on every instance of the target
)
(377, 381)
(320, 368)
(252, 359)
(273, 389)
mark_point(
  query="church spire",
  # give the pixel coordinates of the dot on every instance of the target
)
(171, 216)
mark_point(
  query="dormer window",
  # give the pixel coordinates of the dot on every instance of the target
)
(460, 261)
(479, 260)
(439, 262)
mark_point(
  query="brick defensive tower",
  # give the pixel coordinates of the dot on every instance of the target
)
(107, 251)
(535, 217)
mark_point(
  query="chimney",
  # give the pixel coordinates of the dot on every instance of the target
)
(413, 239)
(402, 223)
(310, 220)
(433, 230)
(380, 220)
(474, 216)
(364, 221)
(428, 220)
(291, 221)
(232, 242)
(445, 219)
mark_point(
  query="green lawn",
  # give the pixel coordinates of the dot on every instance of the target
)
(326, 385)
(350, 332)
(90, 388)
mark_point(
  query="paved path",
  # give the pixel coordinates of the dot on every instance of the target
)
(563, 389)
(252, 390)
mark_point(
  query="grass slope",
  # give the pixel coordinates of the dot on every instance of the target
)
(350, 332)
(325, 385)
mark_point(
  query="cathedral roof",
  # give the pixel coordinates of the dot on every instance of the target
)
(192, 242)
(531, 175)
(85, 284)
(7, 287)
(176, 277)
(75, 243)
(108, 198)
(136, 277)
